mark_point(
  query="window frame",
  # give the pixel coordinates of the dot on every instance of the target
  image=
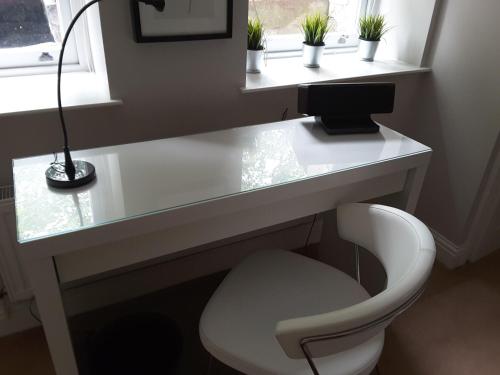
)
(77, 56)
(287, 44)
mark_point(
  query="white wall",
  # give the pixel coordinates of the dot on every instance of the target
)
(491, 241)
(485, 236)
(409, 22)
(458, 112)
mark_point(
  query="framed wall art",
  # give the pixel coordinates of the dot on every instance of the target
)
(183, 20)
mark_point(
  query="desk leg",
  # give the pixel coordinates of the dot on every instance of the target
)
(46, 288)
(413, 187)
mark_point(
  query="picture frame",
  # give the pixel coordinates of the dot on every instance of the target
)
(183, 20)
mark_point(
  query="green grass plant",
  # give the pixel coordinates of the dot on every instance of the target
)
(255, 40)
(372, 28)
(315, 28)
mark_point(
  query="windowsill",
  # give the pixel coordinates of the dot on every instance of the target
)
(289, 72)
(38, 93)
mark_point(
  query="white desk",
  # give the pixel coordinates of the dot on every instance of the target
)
(173, 194)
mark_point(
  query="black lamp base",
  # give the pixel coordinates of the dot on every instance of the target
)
(57, 178)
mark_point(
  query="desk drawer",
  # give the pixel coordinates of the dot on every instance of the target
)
(92, 261)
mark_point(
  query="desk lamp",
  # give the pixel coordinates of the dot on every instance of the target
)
(76, 173)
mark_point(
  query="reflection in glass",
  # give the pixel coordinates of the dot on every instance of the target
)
(270, 161)
(70, 211)
(43, 212)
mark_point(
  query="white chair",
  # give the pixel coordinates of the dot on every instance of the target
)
(282, 313)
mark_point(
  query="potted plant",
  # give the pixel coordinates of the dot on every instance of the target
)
(255, 46)
(314, 27)
(371, 29)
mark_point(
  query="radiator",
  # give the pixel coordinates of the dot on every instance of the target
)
(11, 270)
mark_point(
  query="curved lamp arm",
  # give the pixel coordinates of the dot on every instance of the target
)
(69, 167)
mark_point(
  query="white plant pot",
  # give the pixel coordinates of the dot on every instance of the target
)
(312, 55)
(255, 59)
(367, 49)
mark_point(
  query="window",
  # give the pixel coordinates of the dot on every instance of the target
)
(282, 19)
(31, 33)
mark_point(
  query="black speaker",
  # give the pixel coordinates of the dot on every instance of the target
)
(346, 108)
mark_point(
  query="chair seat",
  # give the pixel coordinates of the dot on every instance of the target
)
(238, 324)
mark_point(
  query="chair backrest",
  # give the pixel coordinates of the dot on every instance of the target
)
(406, 249)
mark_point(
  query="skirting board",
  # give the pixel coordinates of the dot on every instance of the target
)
(449, 254)
(19, 319)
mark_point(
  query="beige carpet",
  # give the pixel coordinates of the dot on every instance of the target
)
(25, 354)
(454, 329)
